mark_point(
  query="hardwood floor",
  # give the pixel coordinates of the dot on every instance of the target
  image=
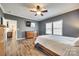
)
(22, 48)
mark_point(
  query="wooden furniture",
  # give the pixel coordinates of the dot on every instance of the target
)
(2, 42)
(9, 34)
(30, 35)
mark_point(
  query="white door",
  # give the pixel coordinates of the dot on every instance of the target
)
(9, 24)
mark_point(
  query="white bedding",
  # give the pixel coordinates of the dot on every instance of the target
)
(57, 44)
(61, 39)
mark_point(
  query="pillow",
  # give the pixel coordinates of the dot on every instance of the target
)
(76, 42)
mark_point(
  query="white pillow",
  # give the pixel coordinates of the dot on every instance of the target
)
(76, 42)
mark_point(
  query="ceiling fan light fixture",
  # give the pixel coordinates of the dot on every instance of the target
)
(38, 12)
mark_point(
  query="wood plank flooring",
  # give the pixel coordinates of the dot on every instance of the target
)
(22, 48)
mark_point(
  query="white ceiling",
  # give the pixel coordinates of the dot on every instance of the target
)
(22, 9)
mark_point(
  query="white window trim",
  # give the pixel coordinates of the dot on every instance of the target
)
(60, 28)
(32, 25)
(49, 28)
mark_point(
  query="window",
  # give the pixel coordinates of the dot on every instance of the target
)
(33, 25)
(49, 28)
(57, 27)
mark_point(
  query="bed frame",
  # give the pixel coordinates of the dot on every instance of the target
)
(45, 50)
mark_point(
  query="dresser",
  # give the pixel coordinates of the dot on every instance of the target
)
(2, 41)
(30, 35)
(9, 34)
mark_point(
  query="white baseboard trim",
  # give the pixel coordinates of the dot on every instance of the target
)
(20, 38)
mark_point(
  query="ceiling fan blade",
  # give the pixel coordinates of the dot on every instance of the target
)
(41, 14)
(35, 14)
(32, 11)
(44, 11)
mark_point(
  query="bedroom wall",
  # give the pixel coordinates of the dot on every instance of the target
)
(1, 14)
(69, 27)
(21, 25)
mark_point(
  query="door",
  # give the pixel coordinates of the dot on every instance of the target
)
(11, 43)
(9, 24)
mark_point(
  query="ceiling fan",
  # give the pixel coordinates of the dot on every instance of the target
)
(39, 10)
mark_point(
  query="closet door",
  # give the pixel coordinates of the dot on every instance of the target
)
(10, 24)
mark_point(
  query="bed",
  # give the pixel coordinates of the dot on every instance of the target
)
(57, 45)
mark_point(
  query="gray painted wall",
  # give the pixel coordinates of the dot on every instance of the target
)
(1, 14)
(67, 18)
(21, 25)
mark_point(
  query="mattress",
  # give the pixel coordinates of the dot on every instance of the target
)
(57, 44)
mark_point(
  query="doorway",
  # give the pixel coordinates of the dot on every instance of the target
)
(11, 30)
